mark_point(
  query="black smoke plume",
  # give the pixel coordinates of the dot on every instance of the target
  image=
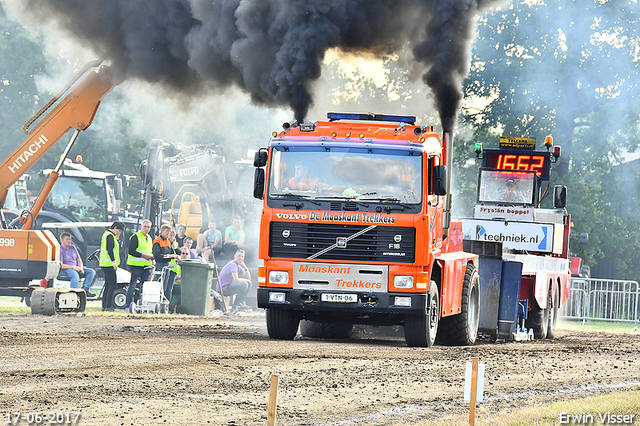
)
(272, 49)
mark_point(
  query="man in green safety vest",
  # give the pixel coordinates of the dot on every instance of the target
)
(109, 262)
(140, 260)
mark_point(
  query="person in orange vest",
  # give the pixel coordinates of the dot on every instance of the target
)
(302, 180)
(163, 253)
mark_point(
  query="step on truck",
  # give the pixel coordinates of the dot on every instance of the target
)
(356, 229)
(509, 228)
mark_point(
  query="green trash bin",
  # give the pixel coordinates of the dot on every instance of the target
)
(197, 279)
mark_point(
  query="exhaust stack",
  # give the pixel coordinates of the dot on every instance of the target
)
(447, 141)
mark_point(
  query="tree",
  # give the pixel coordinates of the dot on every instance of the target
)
(22, 59)
(569, 69)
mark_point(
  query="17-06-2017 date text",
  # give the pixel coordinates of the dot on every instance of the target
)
(37, 418)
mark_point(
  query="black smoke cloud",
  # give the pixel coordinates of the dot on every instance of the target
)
(272, 49)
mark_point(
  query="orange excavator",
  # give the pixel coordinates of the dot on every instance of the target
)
(27, 255)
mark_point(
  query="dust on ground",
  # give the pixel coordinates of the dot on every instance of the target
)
(167, 369)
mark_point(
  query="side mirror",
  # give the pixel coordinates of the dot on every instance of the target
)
(117, 188)
(260, 158)
(440, 180)
(258, 184)
(559, 196)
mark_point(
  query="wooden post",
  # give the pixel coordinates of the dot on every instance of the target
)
(474, 386)
(273, 401)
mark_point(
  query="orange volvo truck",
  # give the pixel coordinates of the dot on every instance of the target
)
(28, 255)
(356, 229)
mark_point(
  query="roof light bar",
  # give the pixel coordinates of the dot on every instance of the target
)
(334, 116)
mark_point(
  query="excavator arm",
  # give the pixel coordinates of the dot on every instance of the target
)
(80, 101)
(30, 255)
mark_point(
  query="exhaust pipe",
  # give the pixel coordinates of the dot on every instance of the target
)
(447, 142)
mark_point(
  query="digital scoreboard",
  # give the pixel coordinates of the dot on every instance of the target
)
(518, 160)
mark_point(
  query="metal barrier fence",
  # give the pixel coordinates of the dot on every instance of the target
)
(602, 300)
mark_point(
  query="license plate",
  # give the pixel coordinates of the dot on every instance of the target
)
(339, 298)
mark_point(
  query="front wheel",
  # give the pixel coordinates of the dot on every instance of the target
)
(462, 329)
(539, 320)
(553, 314)
(421, 330)
(282, 323)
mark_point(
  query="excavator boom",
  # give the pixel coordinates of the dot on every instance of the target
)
(29, 255)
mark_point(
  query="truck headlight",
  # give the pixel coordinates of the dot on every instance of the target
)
(278, 277)
(403, 281)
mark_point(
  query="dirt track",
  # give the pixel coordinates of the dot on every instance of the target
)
(158, 370)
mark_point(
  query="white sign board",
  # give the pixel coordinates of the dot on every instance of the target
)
(512, 235)
(520, 213)
(467, 383)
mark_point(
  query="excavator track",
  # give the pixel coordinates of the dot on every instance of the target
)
(51, 301)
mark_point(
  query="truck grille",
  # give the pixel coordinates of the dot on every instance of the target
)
(389, 244)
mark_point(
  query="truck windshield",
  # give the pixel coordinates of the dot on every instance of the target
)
(502, 187)
(349, 173)
(82, 198)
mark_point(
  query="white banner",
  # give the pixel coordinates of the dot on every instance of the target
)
(512, 235)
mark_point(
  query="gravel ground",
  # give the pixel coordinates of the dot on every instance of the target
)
(158, 370)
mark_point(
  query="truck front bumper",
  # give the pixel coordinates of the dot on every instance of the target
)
(366, 303)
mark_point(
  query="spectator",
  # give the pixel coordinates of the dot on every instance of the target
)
(72, 266)
(234, 236)
(181, 234)
(109, 261)
(236, 279)
(187, 251)
(209, 243)
(140, 260)
(163, 253)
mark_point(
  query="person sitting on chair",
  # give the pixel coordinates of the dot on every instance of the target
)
(72, 266)
(236, 279)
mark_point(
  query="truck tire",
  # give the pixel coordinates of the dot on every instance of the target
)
(539, 320)
(326, 330)
(119, 298)
(553, 314)
(421, 330)
(462, 329)
(282, 323)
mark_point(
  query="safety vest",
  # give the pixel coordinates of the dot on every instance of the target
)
(105, 260)
(144, 247)
(166, 243)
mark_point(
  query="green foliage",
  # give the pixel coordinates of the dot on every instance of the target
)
(22, 59)
(569, 69)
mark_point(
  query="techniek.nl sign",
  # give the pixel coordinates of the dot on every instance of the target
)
(513, 235)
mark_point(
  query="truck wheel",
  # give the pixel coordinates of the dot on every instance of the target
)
(421, 330)
(539, 320)
(553, 314)
(282, 323)
(462, 329)
(119, 298)
(326, 330)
